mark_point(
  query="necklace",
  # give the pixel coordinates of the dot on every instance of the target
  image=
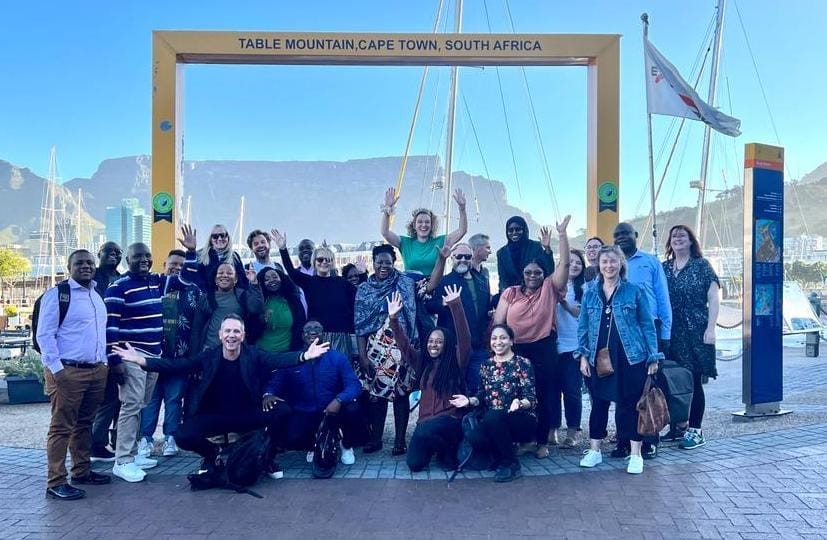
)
(678, 269)
(608, 309)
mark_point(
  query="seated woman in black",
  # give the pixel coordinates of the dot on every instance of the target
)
(439, 429)
(507, 392)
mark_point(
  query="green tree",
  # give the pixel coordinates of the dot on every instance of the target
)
(12, 265)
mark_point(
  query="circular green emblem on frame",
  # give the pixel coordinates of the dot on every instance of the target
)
(162, 202)
(607, 192)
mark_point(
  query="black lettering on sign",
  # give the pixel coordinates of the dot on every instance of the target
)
(417, 44)
(259, 43)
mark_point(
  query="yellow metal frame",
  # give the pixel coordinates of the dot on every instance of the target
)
(599, 53)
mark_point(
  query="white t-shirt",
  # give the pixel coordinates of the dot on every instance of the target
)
(567, 324)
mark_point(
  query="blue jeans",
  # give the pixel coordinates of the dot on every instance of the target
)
(472, 373)
(170, 389)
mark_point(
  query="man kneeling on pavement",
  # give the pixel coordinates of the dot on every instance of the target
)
(227, 397)
(326, 386)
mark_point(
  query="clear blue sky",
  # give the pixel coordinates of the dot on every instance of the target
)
(77, 75)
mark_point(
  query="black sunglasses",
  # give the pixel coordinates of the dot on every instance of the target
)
(322, 260)
(462, 257)
(216, 236)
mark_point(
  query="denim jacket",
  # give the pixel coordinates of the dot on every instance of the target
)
(633, 320)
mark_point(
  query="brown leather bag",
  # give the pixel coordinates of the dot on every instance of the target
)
(652, 409)
(603, 363)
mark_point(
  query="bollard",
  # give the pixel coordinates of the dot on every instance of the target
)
(811, 344)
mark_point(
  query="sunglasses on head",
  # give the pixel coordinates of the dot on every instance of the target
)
(323, 260)
(462, 257)
(216, 236)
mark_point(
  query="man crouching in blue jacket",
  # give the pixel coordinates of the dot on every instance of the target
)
(324, 386)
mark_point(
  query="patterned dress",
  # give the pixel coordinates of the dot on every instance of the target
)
(501, 383)
(690, 314)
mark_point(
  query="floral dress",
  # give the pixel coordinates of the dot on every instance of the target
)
(502, 382)
(690, 314)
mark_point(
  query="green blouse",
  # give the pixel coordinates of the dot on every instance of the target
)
(420, 256)
(278, 326)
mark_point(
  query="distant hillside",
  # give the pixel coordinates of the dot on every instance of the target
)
(339, 201)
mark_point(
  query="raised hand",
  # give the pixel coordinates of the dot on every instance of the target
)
(279, 239)
(316, 349)
(545, 237)
(459, 197)
(188, 238)
(561, 227)
(252, 277)
(361, 264)
(459, 401)
(452, 292)
(129, 354)
(394, 304)
(391, 198)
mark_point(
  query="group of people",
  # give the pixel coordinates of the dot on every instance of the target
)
(229, 347)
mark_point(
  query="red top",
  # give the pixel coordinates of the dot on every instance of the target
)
(431, 404)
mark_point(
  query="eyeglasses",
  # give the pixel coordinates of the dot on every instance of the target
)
(462, 257)
(321, 260)
(216, 236)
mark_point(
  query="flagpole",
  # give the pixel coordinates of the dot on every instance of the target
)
(713, 85)
(645, 19)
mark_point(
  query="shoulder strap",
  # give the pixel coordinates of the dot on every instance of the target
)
(64, 296)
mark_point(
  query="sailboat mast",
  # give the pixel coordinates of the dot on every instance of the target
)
(452, 103)
(240, 224)
(78, 218)
(652, 195)
(713, 85)
(52, 180)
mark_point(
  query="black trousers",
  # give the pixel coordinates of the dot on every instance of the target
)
(568, 381)
(438, 435)
(499, 430)
(107, 415)
(630, 388)
(698, 406)
(378, 412)
(302, 427)
(543, 357)
(193, 433)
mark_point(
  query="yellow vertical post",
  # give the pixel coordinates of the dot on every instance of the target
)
(603, 169)
(166, 146)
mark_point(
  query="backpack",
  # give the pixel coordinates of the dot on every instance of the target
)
(678, 386)
(466, 455)
(241, 469)
(64, 296)
(326, 448)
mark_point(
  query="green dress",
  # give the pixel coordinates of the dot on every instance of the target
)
(420, 256)
(278, 326)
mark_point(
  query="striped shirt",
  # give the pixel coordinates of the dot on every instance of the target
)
(134, 312)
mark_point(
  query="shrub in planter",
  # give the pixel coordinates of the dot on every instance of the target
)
(24, 377)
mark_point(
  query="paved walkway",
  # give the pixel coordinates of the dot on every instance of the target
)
(769, 485)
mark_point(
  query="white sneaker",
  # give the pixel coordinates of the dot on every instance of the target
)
(348, 458)
(309, 457)
(635, 465)
(592, 458)
(145, 446)
(144, 462)
(170, 448)
(128, 471)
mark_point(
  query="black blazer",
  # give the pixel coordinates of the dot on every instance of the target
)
(256, 368)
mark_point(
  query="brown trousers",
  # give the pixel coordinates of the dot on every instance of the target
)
(75, 395)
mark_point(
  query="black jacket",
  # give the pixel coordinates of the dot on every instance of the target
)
(256, 368)
(477, 314)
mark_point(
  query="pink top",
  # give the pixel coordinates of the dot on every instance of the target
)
(532, 316)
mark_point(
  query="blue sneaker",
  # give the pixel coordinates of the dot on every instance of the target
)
(693, 438)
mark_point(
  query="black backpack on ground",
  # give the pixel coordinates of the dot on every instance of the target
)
(326, 448)
(245, 461)
(64, 296)
(468, 457)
